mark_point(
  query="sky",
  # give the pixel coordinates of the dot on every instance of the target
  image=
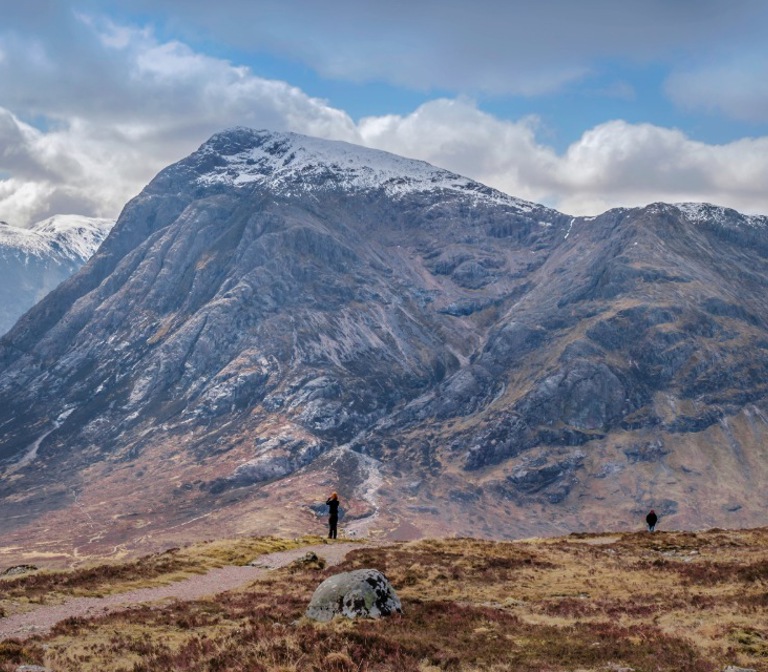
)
(579, 105)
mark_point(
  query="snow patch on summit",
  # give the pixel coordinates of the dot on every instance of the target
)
(706, 212)
(291, 163)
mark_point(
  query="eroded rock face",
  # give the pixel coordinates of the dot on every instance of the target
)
(273, 298)
(363, 593)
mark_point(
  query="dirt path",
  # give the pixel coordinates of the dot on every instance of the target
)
(42, 619)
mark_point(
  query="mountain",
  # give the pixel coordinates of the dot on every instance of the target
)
(277, 316)
(36, 260)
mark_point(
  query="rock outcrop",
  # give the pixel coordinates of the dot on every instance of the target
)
(363, 593)
(18, 569)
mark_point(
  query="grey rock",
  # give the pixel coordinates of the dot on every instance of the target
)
(309, 560)
(273, 458)
(547, 478)
(663, 507)
(609, 469)
(652, 451)
(362, 593)
(584, 394)
(19, 569)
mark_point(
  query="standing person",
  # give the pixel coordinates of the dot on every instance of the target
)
(333, 520)
(651, 519)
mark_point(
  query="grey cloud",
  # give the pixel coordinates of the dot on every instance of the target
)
(510, 46)
(737, 88)
(490, 46)
(117, 109)
(17, 152)
(138, 81)
(61, 70)
(33, 15)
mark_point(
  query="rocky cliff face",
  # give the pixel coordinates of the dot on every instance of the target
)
(34, 261)
(276, 315)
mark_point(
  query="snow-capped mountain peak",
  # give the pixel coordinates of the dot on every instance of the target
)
(291, 163)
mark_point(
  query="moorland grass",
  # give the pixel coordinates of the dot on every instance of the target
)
(666, 602)
(174, 564)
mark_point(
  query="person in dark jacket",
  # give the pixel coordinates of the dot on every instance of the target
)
(333, 519)
(651, 519)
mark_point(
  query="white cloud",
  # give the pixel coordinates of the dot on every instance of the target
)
(455, 134)
(103, 146)
(55, 172)
(613, 164)
(104, 143)
(620, 164)
(20, 201)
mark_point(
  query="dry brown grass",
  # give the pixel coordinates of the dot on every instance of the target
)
(174, 564)
(662, 602)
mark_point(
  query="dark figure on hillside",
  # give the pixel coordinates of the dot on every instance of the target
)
(333, 520)
(651, 519)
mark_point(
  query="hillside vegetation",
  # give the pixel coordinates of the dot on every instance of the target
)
(668, 601)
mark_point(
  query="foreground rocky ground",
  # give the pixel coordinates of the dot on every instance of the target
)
(667, 601)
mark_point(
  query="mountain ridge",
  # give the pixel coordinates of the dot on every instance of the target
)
(508, 369)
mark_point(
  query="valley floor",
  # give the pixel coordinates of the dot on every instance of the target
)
(666, 601)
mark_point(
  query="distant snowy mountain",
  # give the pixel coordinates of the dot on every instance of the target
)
(34, 261)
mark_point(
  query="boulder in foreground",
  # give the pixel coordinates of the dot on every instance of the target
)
(363, 593)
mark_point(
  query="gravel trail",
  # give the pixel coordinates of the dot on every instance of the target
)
(41, 619)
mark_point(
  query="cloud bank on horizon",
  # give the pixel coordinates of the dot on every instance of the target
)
(579, 106)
